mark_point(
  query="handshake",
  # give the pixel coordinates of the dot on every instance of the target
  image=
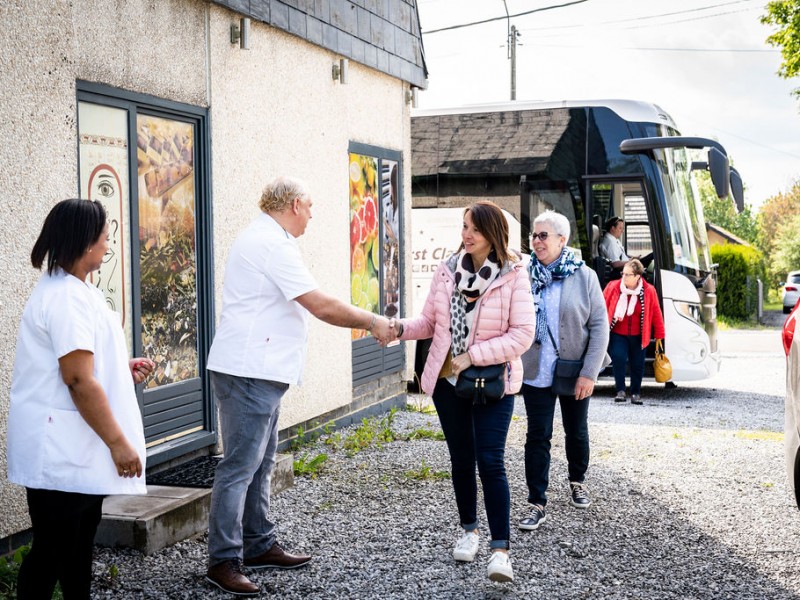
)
(386, 331)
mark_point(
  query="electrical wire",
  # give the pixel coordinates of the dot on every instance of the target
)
(527, 12)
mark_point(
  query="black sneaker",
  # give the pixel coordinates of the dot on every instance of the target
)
(537, 518)
(620, 397)
(579, 495)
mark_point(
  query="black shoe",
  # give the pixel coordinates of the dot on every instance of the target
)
(636, 399)
(579, 495)
(537, 518)
(620, 397)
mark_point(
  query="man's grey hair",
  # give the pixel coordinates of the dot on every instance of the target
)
(279, 194)
(557, 221)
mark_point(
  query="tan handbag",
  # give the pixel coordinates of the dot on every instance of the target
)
(661, 365)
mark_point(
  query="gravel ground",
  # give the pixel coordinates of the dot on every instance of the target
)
(689, 501)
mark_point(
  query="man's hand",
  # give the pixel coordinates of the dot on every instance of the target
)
(383, 331)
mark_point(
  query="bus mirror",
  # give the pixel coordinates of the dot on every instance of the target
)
(737, 189)
(720, 172)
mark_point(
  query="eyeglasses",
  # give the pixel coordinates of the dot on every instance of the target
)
(542, 236)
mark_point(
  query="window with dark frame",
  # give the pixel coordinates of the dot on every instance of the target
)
(375, 217)
(146, 159)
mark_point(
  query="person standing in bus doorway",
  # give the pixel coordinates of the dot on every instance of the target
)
(634, 314)
(570, 313)
(258, 351)
(478, 311)
(611, 246)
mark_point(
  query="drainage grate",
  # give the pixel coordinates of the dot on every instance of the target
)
(197, 473)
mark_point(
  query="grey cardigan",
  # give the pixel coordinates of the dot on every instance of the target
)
(582, 324)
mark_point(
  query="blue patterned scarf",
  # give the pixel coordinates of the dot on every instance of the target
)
(542, 276)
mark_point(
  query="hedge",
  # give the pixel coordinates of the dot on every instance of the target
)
(738, 268)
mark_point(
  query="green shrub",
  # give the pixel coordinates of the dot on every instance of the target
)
(738, 269)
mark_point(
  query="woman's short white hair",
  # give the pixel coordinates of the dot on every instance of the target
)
(557, 221)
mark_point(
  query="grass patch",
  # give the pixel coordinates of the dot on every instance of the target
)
(426, 472)
(760, 434)
(303, 466)
(426, 434)
(420, 403)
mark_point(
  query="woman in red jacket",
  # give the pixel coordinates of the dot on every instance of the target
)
(635, 315)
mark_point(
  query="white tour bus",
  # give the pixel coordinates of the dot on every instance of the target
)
(589, 161)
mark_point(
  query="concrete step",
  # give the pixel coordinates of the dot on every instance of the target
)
(167, 515)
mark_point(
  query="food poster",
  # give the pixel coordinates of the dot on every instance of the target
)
(103, 156)
(365, 245)
(168, 262)
(390, 214)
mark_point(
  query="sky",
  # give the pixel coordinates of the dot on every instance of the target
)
(705, 62)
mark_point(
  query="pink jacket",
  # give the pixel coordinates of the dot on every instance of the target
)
(505, 328)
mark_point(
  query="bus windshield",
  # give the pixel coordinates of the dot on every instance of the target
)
(684, 211)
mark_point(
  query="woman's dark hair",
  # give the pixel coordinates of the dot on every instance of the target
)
(68, 231)
(489, 219)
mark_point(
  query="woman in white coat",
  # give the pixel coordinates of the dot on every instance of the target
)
(75, 431)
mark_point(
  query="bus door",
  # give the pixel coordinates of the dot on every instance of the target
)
(624, 199)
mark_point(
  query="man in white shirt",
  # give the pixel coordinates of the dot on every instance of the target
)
(258, 351)
(610, 245)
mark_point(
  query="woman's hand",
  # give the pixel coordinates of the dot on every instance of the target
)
(583, 388)
(461, 362)
(125, 458)
(141, 368)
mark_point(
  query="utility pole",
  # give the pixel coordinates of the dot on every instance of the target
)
(512, 48)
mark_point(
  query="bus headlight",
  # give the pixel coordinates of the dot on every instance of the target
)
(690, 310)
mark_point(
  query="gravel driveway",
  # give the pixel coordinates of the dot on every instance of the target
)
(688, 493)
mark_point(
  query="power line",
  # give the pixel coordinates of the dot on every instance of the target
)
(755, 50)
(528, 12)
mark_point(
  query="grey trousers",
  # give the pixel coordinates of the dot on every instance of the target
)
(239, 524)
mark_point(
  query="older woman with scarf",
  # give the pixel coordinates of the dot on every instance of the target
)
(570, 324)
(634, 314)
(478, 312)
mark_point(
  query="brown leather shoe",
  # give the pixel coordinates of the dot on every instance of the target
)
(228, 577)
(277, 558)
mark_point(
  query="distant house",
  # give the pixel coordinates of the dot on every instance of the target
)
(175, 114)
(720, 235)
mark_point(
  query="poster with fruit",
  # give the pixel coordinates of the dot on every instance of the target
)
(390, 215)
(365, 245)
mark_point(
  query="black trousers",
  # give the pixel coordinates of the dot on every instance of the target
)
(64, 525)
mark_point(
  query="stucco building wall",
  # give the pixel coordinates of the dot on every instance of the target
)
(274, 109)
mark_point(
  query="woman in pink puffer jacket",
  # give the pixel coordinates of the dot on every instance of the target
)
(479, 311)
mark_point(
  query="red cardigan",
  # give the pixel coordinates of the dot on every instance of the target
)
(653, 319)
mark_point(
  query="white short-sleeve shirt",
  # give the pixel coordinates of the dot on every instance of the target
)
(50, 446)
(611, 248)
(262, 330)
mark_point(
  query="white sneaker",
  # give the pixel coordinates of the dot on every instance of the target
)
(466, 547)
(499, 568)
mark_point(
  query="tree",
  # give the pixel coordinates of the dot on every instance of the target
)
(787, 248)
(722, 212)
(772, 218)
(785, 15)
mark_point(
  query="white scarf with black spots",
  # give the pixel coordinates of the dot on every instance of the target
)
(470, 285)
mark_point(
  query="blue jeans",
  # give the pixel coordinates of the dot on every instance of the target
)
(540, 405)
(239, 525)
(622, 349)
(477, 434)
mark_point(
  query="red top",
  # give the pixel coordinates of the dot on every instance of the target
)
(653, 319)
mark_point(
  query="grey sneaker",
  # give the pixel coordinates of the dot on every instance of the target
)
(537, 518)
(620, 397)
(636, 399)
(578, 495)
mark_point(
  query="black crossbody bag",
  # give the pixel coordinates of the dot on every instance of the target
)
(565, 372)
